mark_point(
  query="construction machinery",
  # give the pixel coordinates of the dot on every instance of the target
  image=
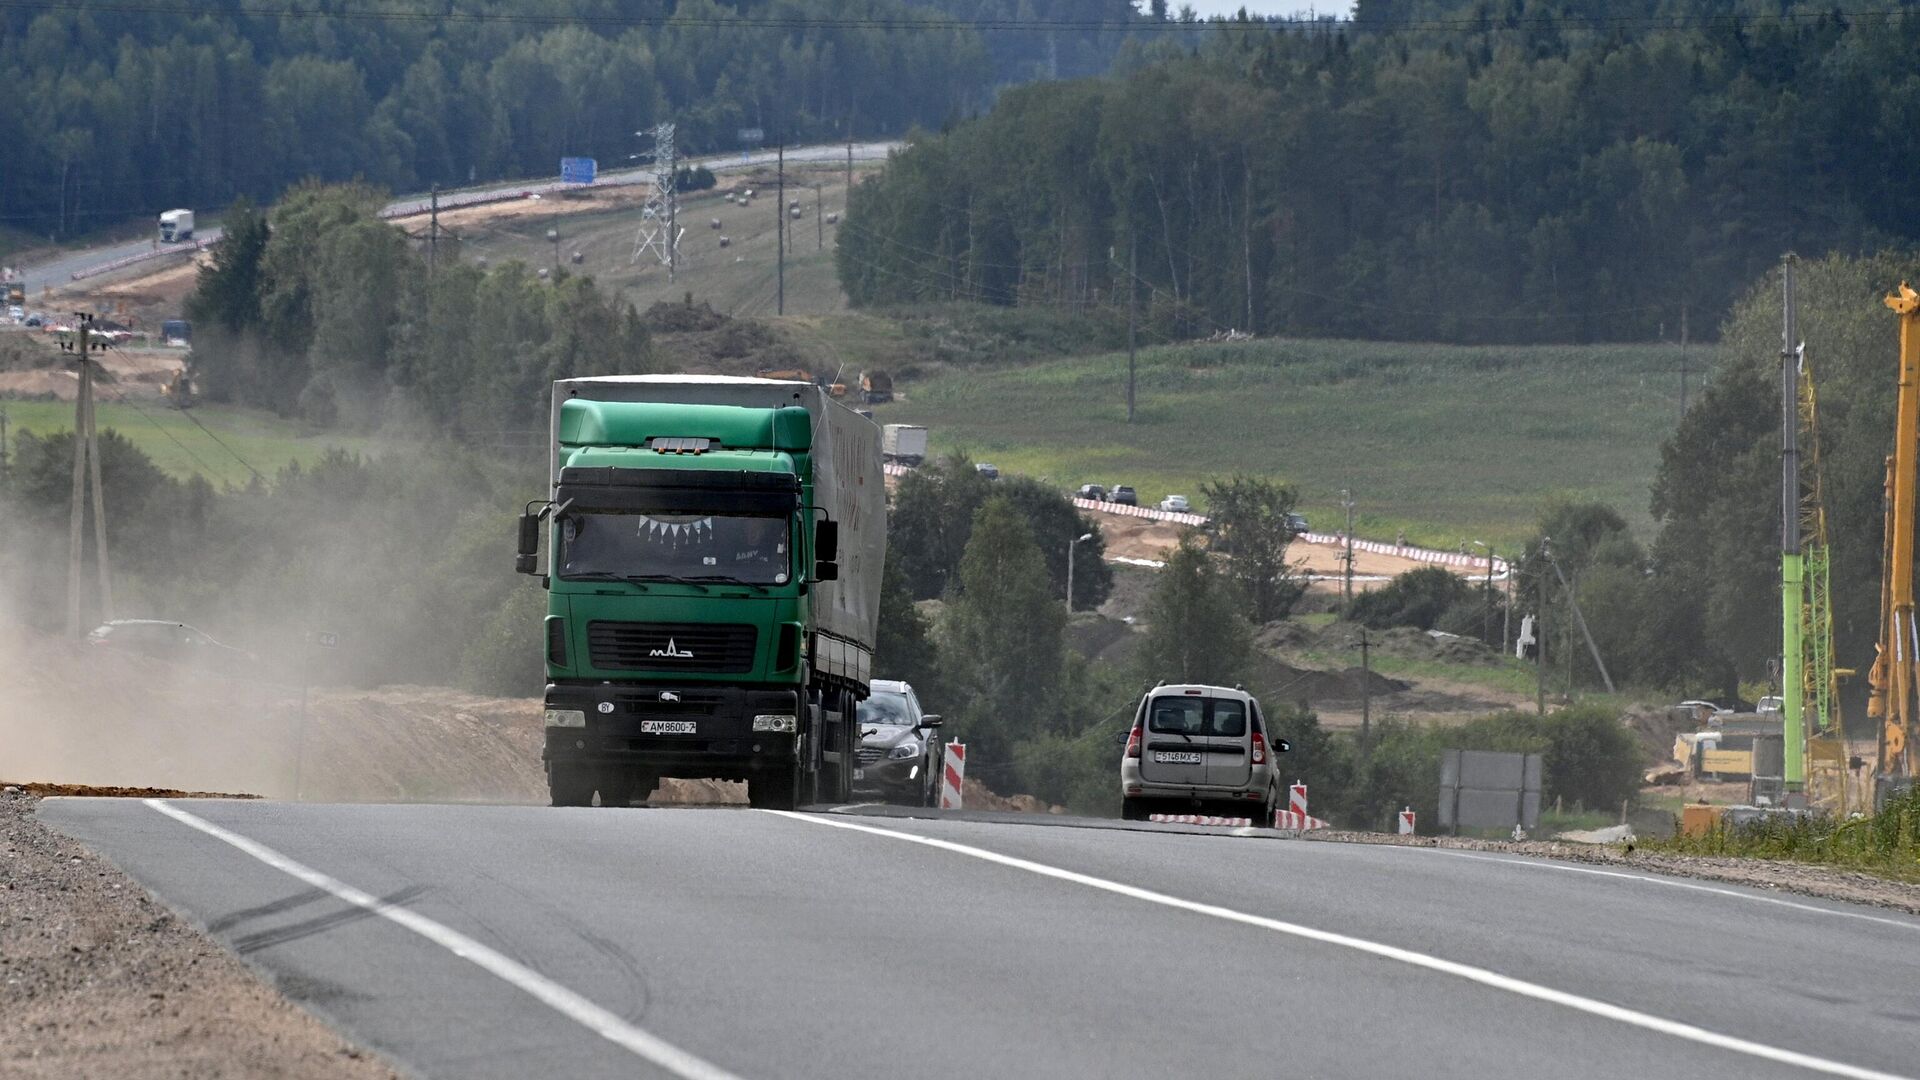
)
(1892, 679)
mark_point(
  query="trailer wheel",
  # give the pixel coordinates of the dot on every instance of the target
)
(569, 783)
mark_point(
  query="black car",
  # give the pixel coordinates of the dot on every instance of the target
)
(1092, 491)
(987, 469)
(1125, 496)
(163, 640)
(901, 751)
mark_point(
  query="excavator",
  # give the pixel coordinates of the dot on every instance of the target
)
(1892, 680)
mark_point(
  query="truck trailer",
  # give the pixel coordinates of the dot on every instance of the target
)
(712, 563)
(904, 444)
(176, 226)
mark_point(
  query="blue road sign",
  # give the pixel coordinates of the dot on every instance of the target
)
(578, 170)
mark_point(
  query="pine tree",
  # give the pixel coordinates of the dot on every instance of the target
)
(1002, 640)
(1194, 633)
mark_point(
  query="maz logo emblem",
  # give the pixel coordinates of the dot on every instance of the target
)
(672, 650)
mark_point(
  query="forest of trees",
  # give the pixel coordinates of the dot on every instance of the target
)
(1527, 170)
(112, 112)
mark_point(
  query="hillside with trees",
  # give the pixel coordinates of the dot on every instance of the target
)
(1489, 172)
(115, 111)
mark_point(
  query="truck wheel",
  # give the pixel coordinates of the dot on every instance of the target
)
(775, 789)
(569, 783)
(842, 776)
(616, 786)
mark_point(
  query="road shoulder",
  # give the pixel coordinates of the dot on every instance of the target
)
(98, 978)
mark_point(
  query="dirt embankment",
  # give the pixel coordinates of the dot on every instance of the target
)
(97, 979)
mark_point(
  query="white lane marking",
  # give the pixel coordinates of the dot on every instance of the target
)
(1669, 882)
(562, 1000)
(1494, 979)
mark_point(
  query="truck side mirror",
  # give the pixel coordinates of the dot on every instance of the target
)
(826, 570)
(826, 542)
(527, 559)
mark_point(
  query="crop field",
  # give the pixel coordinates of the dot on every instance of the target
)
(251, 437)
(1450, 443)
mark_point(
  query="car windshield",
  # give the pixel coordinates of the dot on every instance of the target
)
(886, 710)
(1197, 716)
(700, 547)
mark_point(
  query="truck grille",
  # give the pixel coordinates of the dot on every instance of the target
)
(631, 646)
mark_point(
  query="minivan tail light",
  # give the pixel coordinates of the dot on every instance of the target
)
(1259, 749)
(1133, 742)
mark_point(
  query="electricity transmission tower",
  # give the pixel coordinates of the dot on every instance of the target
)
(659, 234)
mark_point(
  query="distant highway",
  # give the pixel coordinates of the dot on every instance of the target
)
(470, 941)
(59, 270)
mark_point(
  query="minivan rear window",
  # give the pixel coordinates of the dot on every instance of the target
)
(1197, 716)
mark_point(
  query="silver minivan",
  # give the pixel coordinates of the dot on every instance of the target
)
(1195, 746)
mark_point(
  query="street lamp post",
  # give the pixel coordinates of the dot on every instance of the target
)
(1084, 537)
(553, 237)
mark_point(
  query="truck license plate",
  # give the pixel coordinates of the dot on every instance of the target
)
(668, 727)
(1181, 757)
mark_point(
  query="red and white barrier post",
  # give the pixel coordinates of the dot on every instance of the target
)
(1295, 816)
(953, 773)
(1406, 822)
(1297, 798)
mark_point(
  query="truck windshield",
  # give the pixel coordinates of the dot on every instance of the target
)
(695, 547)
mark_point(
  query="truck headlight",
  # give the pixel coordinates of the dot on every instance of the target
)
(904, 751)
(566, 718)
(782, 722)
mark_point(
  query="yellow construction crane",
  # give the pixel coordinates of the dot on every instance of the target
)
(1892, 677)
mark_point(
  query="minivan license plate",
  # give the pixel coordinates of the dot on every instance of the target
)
(668, 727)
(1181, 757)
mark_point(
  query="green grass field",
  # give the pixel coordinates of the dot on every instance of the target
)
(177, 446)
(1450, 443)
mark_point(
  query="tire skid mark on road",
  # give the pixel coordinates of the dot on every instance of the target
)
(568, 1003)
(1495, 980)
(1675, 883)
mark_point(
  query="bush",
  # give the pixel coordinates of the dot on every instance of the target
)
(1417, 598)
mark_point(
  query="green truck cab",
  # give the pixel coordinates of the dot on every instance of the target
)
(713, 556)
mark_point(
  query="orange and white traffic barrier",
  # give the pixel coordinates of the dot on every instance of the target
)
(1406, 822)
(1297, 798)
(1200, 819)
(953, 774)
(1295, 816)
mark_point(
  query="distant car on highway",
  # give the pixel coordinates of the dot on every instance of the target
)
(987, 470)
(163, 640)
(1194, 747)
(1092, 491)
(900, 748)
(1174, 504)
(1124, 495)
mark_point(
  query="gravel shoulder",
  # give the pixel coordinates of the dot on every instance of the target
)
(1806, 879)
(97, 978)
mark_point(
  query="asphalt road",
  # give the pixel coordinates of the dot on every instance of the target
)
(58, 271)
(467, 941)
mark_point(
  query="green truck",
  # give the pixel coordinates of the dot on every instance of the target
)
(712, 564)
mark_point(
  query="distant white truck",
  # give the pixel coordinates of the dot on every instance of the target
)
(176, 226)
(904, 444)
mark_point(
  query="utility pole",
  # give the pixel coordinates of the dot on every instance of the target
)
(1540, 629)
(1792, 562)
(433, 229)
(1365, 645)
(819, 227)
(1076, 543)
(1683, 360)
(86, 473)
(1346, 591)
(1579, 620)
(849, 195)
(1133, 281)
(3, 443)
(780, 227)
(1486, 615)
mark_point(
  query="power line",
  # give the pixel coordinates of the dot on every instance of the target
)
(195, 421)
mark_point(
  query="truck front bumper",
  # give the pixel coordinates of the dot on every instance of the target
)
(694, 730)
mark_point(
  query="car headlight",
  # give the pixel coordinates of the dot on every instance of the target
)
(775, 722)
(566, 718)
(904, 751)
